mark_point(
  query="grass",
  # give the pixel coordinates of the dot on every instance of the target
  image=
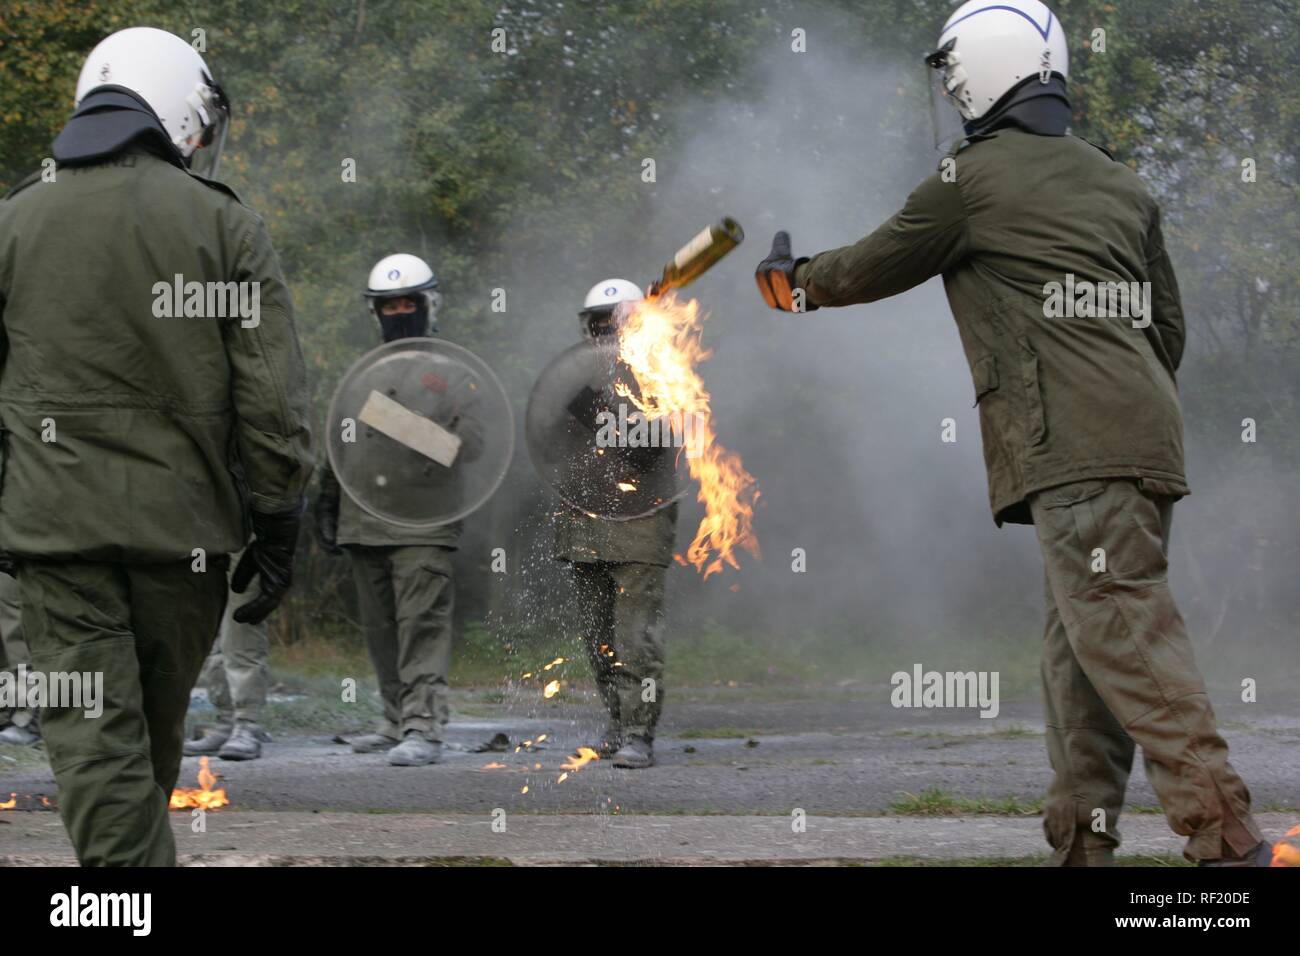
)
(935, 802)
(711, 654)
(21, 758)
(716, 653)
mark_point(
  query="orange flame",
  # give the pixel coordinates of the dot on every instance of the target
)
(659, 341)
(10, 803)
(1284, 853)
(203, 798)
(584, 756)
(551, 689)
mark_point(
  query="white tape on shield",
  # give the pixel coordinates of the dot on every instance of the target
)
(414, 431)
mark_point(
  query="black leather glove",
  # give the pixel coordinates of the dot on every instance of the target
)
(775, 276)
(270, 558)
(326, 513)
(327, 529)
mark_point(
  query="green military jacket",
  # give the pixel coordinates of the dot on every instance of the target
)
(649, 539)
(1060, 398)
(130, 432)
(358, 527)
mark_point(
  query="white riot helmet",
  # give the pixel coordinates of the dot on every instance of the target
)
(404, 276)
(171, 78)
(984, 52)
(598, 308)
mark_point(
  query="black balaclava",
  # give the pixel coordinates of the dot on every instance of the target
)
(406, 325)
(1031, 105)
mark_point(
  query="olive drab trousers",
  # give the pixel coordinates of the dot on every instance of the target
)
(235, 673)
(147, 629)
(620, 610)
(406, 596)
(13, 650)
(1119, 673)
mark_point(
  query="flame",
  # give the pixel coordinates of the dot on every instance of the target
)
(1284, 853)
(205, 797)
(10, 803)
(494, 766)
(659, 341)
(584, 756)
(551, 689)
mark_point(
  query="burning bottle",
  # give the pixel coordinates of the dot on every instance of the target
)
(698, 256)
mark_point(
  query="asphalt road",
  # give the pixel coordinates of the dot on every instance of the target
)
(831, 754)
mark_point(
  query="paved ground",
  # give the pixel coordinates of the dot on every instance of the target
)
(836, 756)
(252, 838)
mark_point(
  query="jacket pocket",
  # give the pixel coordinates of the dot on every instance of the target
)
(985, 374)
(1035, 421)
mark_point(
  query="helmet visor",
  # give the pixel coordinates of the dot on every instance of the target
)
(206, 158)
(945, 118)
(597, 320)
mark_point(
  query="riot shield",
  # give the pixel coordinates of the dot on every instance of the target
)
(420, 432)
(593, 447)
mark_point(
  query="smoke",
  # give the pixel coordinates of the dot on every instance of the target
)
(838, 413)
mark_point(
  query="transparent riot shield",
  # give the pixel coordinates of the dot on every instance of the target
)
(420, 432)
(593, 447)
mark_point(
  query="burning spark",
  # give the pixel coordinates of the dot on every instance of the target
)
(584, 756)
(541, 737)
(563, 777)
(494, 766)
(558, 660)
(626, 486)
(1284, 853)
(659, 341)
(525, 790)
(10, 803)
(204, 798)
(551, 689)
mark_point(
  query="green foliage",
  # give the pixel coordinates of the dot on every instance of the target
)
(492, 164)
